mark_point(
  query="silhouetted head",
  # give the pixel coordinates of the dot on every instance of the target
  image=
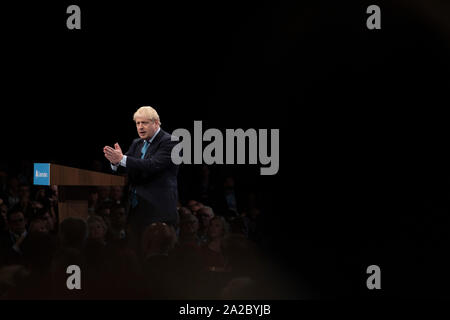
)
(218, 228)
(204, 216)
(188, 226)
(158, 238)
(16, 220)
(97, 228)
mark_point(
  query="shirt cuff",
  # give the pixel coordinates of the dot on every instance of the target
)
(113, 167)
(123, 162)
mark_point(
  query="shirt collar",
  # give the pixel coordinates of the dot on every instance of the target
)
(151, 139)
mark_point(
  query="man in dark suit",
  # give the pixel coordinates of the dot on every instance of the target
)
(151, 172)
(11, 240)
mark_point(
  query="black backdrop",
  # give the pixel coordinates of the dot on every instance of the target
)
(362, 114)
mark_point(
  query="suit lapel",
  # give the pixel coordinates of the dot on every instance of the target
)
(139, 146)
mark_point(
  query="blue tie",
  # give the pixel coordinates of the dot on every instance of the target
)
(134, 200)
(144, 148)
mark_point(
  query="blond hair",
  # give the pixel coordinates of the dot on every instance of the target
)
(97, 219)
(147, 113)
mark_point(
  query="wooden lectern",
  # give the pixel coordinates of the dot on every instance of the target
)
(73, 186)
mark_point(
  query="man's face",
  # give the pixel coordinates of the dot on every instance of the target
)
(191, 203)
(49, 221)
(119, 217)
(24, 192)
(146, 128)
(54, 189)
(204, 217)
(215, 229)
(41, 193)
(39, 226)
(189, 226)
(96, 231)
(93, 196)
(104, 192)
(116, 193)
(17, 223)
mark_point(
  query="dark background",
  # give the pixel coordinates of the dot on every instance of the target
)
(362, 115)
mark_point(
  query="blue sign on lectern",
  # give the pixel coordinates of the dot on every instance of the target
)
(41, 174)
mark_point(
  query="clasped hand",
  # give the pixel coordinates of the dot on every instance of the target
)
(113, 155)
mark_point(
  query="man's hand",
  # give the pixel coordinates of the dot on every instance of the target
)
(117, 147)
(19, 241)
(113, 155)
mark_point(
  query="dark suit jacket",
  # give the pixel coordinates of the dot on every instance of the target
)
(8, 255)
(154, 178)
